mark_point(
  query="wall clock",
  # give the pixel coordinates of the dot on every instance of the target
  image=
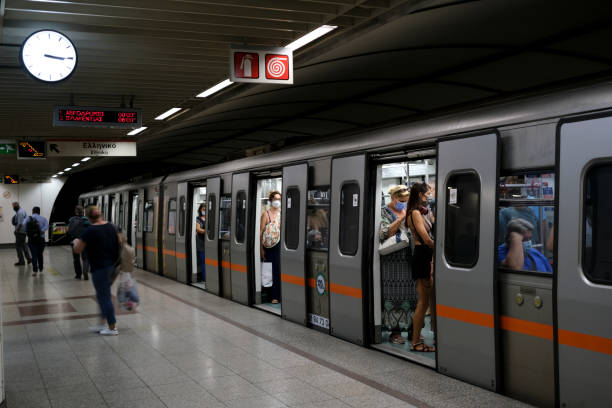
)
(48, 56)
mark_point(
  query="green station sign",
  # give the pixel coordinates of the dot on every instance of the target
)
(8, 148)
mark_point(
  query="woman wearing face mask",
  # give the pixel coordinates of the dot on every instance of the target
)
(200, 234)
(421, 228)
(517, 251)
(395, 267)
(269, 241)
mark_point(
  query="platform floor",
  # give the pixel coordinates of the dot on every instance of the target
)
(186, 348)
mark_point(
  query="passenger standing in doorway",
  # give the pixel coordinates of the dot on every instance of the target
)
(20, 235)
(398, 286)
(35, 227)
(76, 226)
(422, 271)
(101, 241)
(200, 234)
(269, 240)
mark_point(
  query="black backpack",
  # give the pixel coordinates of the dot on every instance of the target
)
(33, 230)
(77, 226)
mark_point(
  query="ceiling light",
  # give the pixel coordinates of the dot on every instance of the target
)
(167, 113)
(137, 131)
(55, 175)
(84, 159)
(67, 169)
(214, 89)
(310, 37)
(76, 164)
(59, 173)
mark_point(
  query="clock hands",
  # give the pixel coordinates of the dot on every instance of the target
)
(55, 57)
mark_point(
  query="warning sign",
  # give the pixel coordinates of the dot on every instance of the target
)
(261, 65)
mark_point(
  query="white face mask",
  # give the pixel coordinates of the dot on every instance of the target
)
(276, 204)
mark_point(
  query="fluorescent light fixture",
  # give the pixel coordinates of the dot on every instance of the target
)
(59, 173)
(84, 159)
(76, 164)
(137, 131)
(214, 89)
(55, 175)
(310, 37)
(167, 113)
(67, 169)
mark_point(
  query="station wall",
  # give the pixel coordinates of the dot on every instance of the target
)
(28, 196)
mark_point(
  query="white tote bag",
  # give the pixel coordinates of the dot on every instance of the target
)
(394, 243)
(266, 274)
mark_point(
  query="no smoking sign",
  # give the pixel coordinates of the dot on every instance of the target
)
(261, 65)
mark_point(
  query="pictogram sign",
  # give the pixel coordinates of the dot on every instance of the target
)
(261, 65)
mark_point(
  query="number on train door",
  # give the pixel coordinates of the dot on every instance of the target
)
(464, 280)
(584, 270)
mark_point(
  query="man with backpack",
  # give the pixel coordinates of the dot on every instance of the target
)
(76, 226)
(20, 235)
(35, 228)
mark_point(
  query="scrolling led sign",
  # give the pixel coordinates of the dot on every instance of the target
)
(97, 117)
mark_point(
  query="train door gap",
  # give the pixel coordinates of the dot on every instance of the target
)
(198, 264)
(395, 293)
(264, 280)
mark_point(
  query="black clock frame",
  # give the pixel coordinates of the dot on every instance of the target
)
(22, 64)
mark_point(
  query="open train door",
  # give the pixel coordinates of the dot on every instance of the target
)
(211, 246)
(183, 231)
(240, 193)
(346, 248)
(465, 251)
(293, 245)
(584, 270)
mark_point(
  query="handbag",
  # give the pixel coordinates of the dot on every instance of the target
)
(266, 274)
(394, 243)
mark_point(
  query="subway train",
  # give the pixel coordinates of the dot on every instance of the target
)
(540, 333)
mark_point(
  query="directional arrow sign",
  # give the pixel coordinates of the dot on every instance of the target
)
(82, 148)
(8, 148)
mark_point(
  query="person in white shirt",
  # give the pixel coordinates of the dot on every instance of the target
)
(35, 227)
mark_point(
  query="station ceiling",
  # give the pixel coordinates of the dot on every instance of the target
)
(389, 61)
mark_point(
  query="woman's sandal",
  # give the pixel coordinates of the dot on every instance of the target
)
(422, 347)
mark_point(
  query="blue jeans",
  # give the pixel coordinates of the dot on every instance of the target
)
(36, 249)
(202, 265)
(102, 283)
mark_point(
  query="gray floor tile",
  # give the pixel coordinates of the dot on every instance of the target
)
(28, 398)
(261, 402)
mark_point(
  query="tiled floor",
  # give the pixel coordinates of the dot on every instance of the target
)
(186, 348)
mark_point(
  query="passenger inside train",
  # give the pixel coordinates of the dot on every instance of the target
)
(198, 239)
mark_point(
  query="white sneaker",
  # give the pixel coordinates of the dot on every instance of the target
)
(108, 332)
(98, 328)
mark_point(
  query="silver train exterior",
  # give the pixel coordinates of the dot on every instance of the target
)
(543, 339)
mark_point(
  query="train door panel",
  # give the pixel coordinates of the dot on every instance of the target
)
(124, 216)
(139, 204)
(239, 264)
(182, 232)
(346, 247)
(169, 224)
(293, 227)
(465, 261)
(211, 247)
(151, 228)
(584, 280)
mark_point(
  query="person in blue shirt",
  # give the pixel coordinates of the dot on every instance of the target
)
(35, 227)
(517, 252)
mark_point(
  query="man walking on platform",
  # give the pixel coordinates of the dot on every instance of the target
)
(35, 227)
(76, 226)
(20, 235)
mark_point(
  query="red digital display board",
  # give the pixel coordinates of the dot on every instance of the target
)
(97, 117)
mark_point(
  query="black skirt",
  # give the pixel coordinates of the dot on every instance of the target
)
(421, 262)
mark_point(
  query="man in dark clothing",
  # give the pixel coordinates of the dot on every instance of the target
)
(35, 227)
(76, 226)
(20, 235)
(101, 242)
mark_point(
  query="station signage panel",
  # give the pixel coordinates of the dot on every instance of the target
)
(91, 148)
(11, 179)
(261, 65)
(7, 148)
(33, 150)
(82, 116)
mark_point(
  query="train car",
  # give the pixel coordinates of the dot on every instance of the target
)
(523, 283)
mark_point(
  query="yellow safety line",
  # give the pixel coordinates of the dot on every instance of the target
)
(53, 271)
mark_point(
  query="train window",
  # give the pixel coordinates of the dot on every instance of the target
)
(525, 222)
(240, 216)
(317, 219)
(462, 219)
(597, 224)
(172, 216)
(120, 223)
(225, 217)
(349, 218)
(292, 218)
(182, 212)
(210, 216)
(149, 216)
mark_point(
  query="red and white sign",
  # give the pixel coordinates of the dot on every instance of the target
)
(261, 65)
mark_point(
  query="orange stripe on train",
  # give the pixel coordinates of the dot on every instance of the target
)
(544, 331)
(296, 280)
(585, 341)
(467, 316)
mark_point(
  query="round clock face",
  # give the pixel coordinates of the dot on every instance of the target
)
(48, 56)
